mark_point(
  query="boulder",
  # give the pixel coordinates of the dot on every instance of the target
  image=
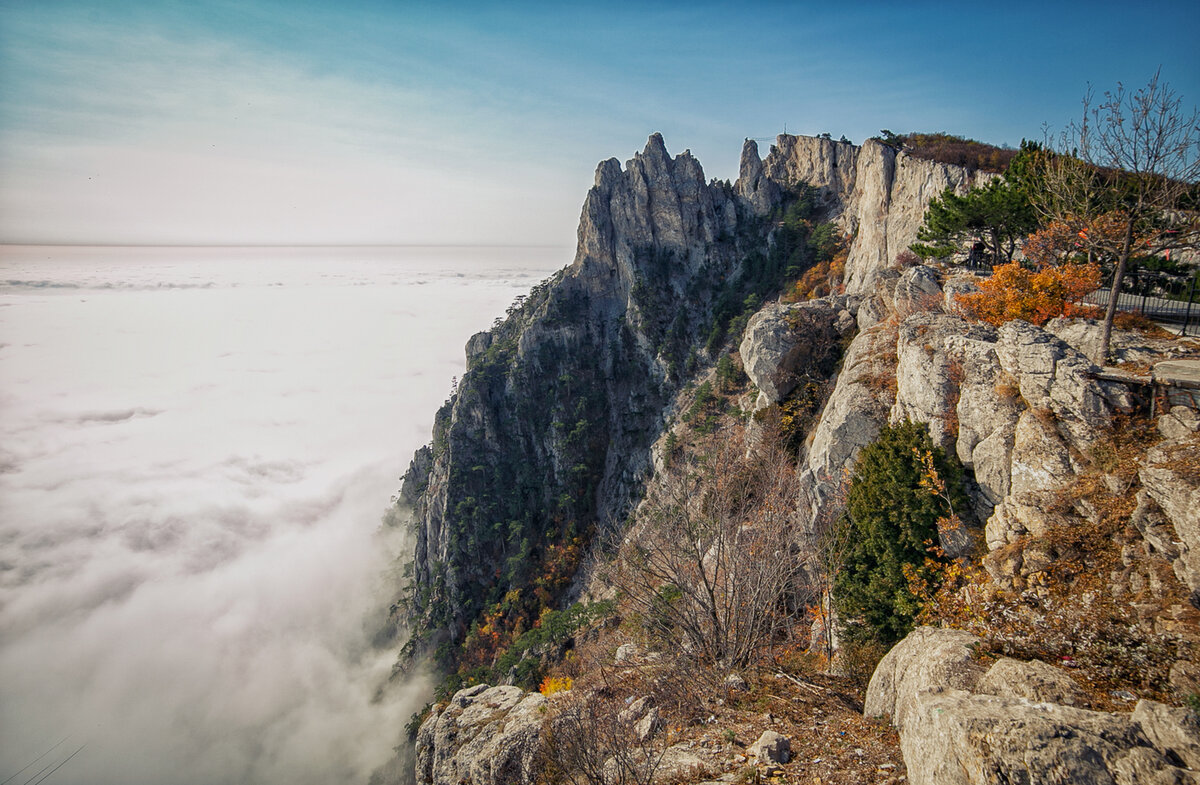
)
(772, 747)
(917, 290)
(962, 725)
(1171, 729)
(1179, 423)
(1033, 681)
(736, 683)
(926, 658)
(485, 736)
(930, 371)
(783, 342)
(648, 725)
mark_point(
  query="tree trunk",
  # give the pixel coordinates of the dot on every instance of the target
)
(1114, 293)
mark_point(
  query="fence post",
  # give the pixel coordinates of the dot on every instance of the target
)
(1187, 315)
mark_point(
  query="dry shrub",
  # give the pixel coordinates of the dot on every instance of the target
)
(709, 565)
(1007, 389)
(859, 660)
(590, 738)
(1070, 612)
(1014, 292)
(906, 259)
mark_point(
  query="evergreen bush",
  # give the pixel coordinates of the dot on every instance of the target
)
(892, 513)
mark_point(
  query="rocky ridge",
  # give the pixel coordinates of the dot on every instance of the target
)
(962, 722)
(1021, 406)
(575, 386)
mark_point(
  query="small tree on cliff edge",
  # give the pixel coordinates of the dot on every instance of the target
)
(893, 520)
(999, 212)
(1133, 159)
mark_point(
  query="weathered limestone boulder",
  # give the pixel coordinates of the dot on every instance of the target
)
(485, 736)
(1055, 376)
(782, 342)
(951, 732)
(1176, 492)
(648, 725)
(956, 285)
(926, 657)
(772, 747)
(1126, 346)
(877, 304)
(1033, 681)
(1179, 423)
(962, 738)
(930, 371)
(917, 290)
(1173, 729)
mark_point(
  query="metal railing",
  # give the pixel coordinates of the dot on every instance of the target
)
(1168, 298)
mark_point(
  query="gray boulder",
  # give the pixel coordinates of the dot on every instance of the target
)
(782, 342)
(484, 736)
(1033, 681)
(772, 747)
(953, 732)
(917, 290)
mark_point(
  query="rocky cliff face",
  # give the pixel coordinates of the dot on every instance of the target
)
(878, 195)
(549, 433)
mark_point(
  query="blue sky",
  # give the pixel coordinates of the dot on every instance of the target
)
(261, 121)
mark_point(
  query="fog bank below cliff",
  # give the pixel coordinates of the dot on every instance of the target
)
(194, 454)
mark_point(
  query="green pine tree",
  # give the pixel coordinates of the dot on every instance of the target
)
(893, 522)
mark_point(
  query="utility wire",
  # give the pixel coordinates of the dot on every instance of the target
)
(35, 760)
(59, 766)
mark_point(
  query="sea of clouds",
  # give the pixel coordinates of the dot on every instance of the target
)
(196, 448)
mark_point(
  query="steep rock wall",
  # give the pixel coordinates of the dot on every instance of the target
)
(878, 195)
(548, 434)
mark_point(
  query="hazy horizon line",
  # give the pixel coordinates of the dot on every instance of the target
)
(282, 245)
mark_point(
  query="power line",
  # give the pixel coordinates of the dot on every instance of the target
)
(35, 760)
(61, 765)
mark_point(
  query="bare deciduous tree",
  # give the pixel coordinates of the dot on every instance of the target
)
(710, 562)
(592, 739)
(1133, 159)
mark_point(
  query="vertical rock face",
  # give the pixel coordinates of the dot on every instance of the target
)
(549, 433)
(550, 429)
(877, 195)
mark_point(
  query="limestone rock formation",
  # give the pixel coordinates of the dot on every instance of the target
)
(485, 736)
(783, 341)
(1175, 492)
(962, 723)
(853, 415)
(878, 195)
(551, 427)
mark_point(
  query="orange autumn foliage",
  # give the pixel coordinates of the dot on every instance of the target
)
(1061, 240)
(1014, 292)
